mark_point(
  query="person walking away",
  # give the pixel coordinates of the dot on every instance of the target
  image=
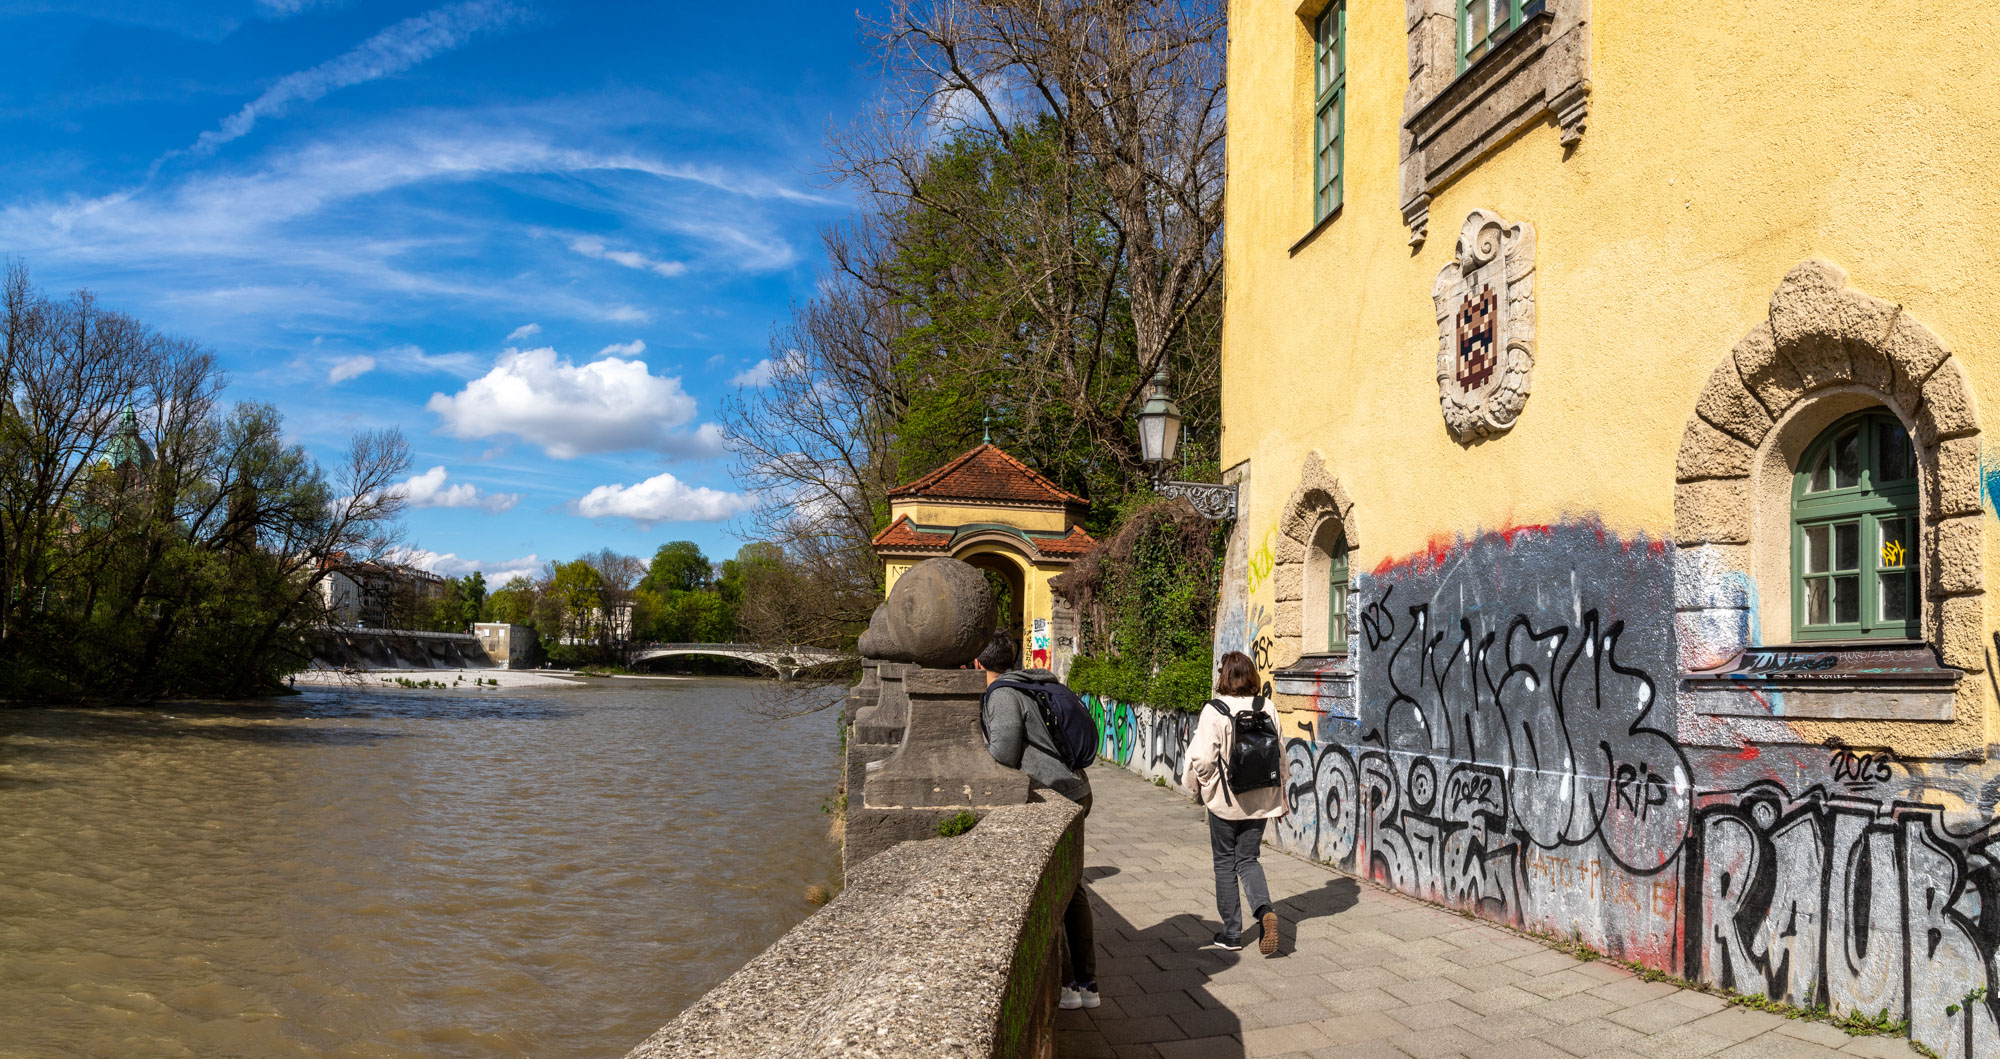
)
(1236, 769)
(1035, 723)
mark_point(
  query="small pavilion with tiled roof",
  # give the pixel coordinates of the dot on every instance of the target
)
(995, 512)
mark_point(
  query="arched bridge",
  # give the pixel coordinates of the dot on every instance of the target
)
(787, 662)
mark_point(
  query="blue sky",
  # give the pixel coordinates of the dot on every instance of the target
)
(546, 240)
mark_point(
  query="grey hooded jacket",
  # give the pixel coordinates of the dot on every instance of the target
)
(1017, 737)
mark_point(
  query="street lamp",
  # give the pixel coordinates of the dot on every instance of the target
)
(1159, 431)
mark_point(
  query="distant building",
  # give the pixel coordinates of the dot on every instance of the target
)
(509, 646)
(379, 595)
(993, 511)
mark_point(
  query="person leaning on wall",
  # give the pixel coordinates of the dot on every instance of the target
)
(1238, 733)
(1019, 736)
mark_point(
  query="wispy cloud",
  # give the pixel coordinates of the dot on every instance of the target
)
(289, 8)
(591, 246)
(496, 571)
(349, 368)
(392, 51)
(755, 375)
(624, 349)
(661, 498)
(429, 489)
(528, 330)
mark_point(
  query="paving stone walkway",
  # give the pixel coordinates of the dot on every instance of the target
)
(1363, 972)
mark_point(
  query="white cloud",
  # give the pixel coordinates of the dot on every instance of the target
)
(392, 51)
(755, 375)
(448, 564)
(623, 349)
(429, 490)
(412, 360)
(661, 498)
(528, 330)
(608, 405)
(348, 368)
(592, 247)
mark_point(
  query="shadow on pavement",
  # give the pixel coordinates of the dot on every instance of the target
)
(1158, 982)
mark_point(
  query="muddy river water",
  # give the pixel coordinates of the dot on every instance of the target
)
(548, 871)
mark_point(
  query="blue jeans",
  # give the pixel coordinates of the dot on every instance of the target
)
(1235, 845)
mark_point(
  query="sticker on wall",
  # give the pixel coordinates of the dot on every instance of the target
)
(1485, 302)
(1039, 643)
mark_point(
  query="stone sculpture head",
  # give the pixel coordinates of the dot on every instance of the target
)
(939, 615)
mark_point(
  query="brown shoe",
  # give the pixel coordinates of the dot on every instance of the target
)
(1268, 944)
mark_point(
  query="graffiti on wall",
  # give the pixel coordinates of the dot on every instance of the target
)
(1038, 644)
(1850, 901)
(1147, 741)
(1513, 752)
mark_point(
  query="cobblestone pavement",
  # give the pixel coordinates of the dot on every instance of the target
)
(1362, 972)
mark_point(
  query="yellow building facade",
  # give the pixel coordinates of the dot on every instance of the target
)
(1602, 383)
(991, 510)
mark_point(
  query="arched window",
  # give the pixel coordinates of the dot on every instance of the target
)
(1326, 591)
(1336, 597)
(1854, 533)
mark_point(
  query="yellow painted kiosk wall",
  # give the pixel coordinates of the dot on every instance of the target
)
(1524, 608)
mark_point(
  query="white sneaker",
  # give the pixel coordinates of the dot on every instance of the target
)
(1072, 999)
(1088, 993)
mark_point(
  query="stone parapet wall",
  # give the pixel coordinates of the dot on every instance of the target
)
(946, 947)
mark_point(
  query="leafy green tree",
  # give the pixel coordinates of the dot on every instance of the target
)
(678, 566)
(513, 602)
(155, 542)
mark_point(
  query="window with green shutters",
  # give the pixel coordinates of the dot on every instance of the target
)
(1329, 107)
(1483, 24)
(1854, 533)
(1336, 597)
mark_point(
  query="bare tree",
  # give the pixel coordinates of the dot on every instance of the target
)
(1136, 89)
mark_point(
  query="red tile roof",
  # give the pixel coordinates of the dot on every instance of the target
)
(903, 534)
(986, 473)
(1068, 547)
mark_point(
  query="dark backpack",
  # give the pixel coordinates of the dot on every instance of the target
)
(1070, 725)
(1254, 749)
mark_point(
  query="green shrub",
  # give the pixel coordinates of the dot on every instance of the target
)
(957, 824)
(1181, 684)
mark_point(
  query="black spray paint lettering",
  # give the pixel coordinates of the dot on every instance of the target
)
(1850, 767)
(1787, 662)
(1558, 707)
(1854, 903)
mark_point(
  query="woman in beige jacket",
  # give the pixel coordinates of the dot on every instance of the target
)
(1235, 820)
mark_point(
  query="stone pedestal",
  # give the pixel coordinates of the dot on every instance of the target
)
(939, 769)
(862, 695)
(878, 724)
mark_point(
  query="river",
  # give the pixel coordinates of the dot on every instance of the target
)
(547, 872)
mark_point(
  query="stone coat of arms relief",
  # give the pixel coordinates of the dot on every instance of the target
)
(1485, 301)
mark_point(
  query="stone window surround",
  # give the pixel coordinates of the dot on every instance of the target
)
(1824, 351)
(1318, 500)
(1451, 119)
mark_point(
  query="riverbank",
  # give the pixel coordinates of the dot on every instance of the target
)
(492, 679)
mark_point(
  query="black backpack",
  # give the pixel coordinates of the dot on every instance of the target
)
(1070, 725)
(1255, 749)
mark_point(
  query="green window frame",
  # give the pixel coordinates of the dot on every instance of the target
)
(1329, 108)
(1483, 24)
(1855, 533)
(1336, 597)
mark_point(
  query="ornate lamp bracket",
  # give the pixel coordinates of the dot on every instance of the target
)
(1210, 501)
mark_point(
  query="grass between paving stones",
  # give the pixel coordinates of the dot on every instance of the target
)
(1854, 1025)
